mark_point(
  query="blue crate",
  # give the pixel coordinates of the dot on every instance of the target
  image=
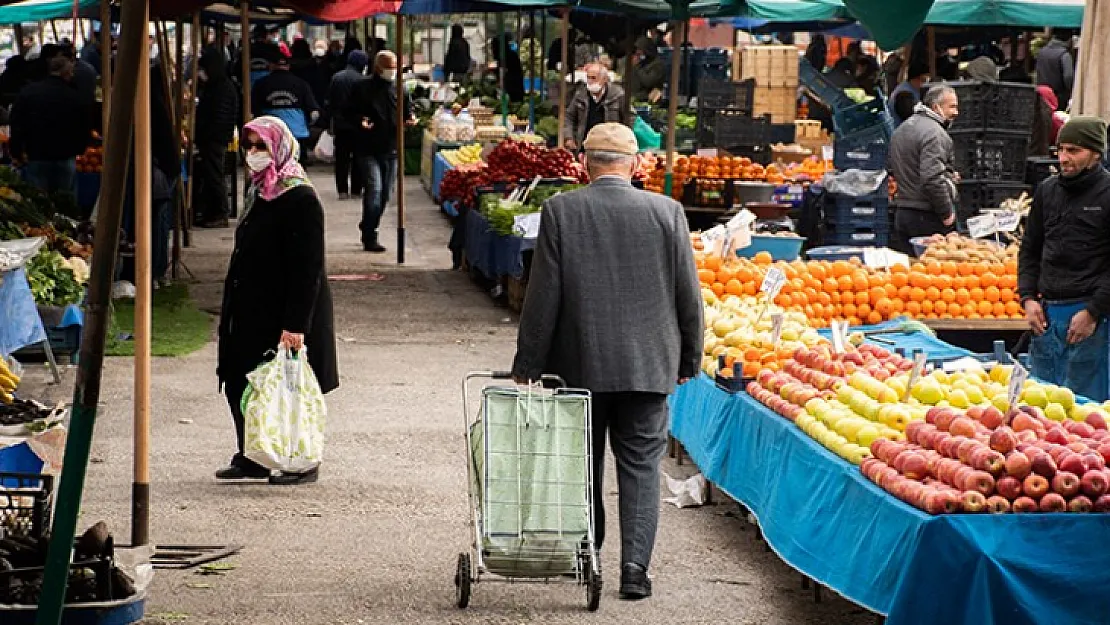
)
(858, 211)
(866, 149)
(870, 237)
(833, 96)
(832, 253)
(780, 248)
(863, 116)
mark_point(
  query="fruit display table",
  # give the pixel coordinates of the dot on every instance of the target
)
(493, 255)
(825, 519)
(935, 350)
(439, 167)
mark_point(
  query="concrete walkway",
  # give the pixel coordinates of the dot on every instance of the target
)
(375, 541)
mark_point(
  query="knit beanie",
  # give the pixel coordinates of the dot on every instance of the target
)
(358, 59)
(1086, 132)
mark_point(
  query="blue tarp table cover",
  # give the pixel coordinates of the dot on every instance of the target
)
(20, 324)
(824, 518)
(440, 166)
(492, 254)
(934, 348)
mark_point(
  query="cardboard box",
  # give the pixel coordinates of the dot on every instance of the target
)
(781, 103)
(770, 66)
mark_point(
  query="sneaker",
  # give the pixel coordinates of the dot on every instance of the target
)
(376, 248)
(236, 472)
(293, 479)
(635, 583)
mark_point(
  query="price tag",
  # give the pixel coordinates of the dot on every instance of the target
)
(839, 332)
(772, 283)
(915, 373)
(776, 327)
(981, 226)
(1017, 382)
(713, 238)
(738, 239)
(707, 152)
(1006, 221)
(795, 189)
(527, 226)
(742, 219)
(827, 152)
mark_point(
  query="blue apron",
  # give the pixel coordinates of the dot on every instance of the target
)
(1083, 367)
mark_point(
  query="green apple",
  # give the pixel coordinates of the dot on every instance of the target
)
(1056, 412)
(1001, 401)
(867, 435)
(1035, 396)
(975, 395)
(1063, 396)
(958, 398)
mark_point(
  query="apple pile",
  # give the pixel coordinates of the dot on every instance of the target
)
(984, 460)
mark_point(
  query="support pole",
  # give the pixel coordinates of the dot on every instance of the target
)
(140, 492)
(97, 310)
(931, 43)
(105, 66)
(400, 145)
(370, 48)
(543, 51)
(501, 67)
(192, 111)
(19, 47)
(672, 101)
(629, 50)
(245, 46)
(532, 91)
(563, 87)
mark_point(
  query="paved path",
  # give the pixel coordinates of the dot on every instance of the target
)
(375, 541)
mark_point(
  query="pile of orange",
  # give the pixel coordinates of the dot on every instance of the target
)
(847, 290)
(732, 168)
(754, 360)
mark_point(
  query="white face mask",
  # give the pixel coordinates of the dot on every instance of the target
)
(594, 88)
(389, 74)
(257, 161)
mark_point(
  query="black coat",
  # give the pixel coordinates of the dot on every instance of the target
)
(49, 121)
(375, 98)
(277, 281)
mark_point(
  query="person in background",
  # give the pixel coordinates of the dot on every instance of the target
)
(597, 102)
(514, 71)
(287, 97)
(217, 116)
(344, 129)
(843, 73)
(1064, 266)
(373, 108)
(262, 53)
(921, 162)
(982, 68)
(303, 65)
(868, 74)
(274, 37)
(906, 96)
(276, 290)
(337, 58)
(91, 52)
(649, 73)
(1055, 66)
(456, 63)
(50, 128)
(627, 346)
(1046, 124)
(817, 52)
(13, 80)
(85, 79)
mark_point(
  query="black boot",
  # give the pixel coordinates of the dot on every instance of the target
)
(242, 470)
(635, 583)
(292, 479)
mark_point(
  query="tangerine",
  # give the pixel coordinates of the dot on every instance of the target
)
(998, 309)
(917, 294)
(927, 306)
(762, 258)
(932, 293)
(899, 280)
(1013, 308)
(992, 294)
(940, 307)
(874, 318)
(706, 276)
(1006, 294)
(963, 296)
(734, 287)
(985, 308)
(988, 279)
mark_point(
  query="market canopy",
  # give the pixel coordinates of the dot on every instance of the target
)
(38, 10)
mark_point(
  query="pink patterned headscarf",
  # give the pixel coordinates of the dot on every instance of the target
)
(284, 172)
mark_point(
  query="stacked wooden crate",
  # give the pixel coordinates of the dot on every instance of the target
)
(775, 70)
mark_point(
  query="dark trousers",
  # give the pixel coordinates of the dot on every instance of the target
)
(636, 424)
(910, 223)
(346, 167)
(211, 185)
(233, 389)
(378, 173)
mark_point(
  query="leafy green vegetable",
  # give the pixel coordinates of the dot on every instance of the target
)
(52, 281)
(547, 126)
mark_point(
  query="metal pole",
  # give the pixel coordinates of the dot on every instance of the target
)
(140, 492)
(563, 77)
(76, 24)
(105, 64)
(628, 68)
(931, 38)
(501, 67)
(86, 394)
(192, 108)
(543, 50)
(400, 145)
(672, 101)
(532, 45)
(371, 36)
(245, 55)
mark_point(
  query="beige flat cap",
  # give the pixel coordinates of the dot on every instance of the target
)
(611, 137)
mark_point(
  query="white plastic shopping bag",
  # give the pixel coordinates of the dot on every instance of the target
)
(325, 147)
(284, 414)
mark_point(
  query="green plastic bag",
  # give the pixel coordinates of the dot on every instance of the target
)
(646, 137)
(284, 414)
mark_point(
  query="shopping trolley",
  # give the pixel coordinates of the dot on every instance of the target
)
(530, 484)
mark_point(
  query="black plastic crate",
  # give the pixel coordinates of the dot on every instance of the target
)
(975, 195)
(866, 211)
(863, 117)
(757, 153)
(877, 237)
(990, 155)
(715, 94)
(733, 127)
(1039, 168)
(25, 504)
(998, 105)
(816, 82)
(866, 150)
(781, 133)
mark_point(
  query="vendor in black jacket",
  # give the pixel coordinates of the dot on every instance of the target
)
(1064, 265)
(217, 116)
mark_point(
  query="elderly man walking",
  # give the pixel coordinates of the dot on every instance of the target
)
(598, 103)
(614, 306)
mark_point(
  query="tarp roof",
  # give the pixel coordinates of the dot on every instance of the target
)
(37, 10)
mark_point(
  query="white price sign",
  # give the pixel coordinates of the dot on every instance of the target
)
(527, 226)
(738, 239)
(713, 238)
(1017, 382)
(1006, 221)
(707, 152)
(981, 226)
(776, 328)
(915, 373)
(839, 335)
(772, 282)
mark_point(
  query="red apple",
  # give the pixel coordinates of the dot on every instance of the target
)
(1034, 486)
(1044, 466)
(944, 419)
(1102, 504)
(915, 466)
(974, 412)
(1023, 422)
(1057, 435)
(1018, 465)
(962, 426)
(1081, 429)
(998, 505)
(913, 429)
(961, 476)
(1053, 502)
(1096, 420)
(973, 502)
(1104, 450)
(1009, 487)
(1066, 484)
(1080, 503)
(1092, 460)
(1094, 484)
(966, 447)
(1026, 436)
(1024, 505)
(992, 417)
(1003, 440)
(931, 414)
(1077, 446)
(1072, 463)
(980, 481)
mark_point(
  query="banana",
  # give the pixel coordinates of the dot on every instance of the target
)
(6, 397)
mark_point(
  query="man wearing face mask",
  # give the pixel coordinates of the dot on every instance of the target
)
(599, 102)
(921, 161)
(648, 71)
(373, 112)
(1064, 265)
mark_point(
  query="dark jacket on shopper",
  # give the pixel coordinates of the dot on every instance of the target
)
(456, 63)
(614, 303)
(921, 160)
(218, 108)
(339, 98)
(1056, 69)
(648, 74)
(49, 121)
(285, 96)
(613, 108)
(375, 99)
(1064, 253)
(277, 280)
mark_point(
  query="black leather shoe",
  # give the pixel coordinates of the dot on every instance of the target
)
(236, 472)
(292, 479)
(635, 583)
(377, 248)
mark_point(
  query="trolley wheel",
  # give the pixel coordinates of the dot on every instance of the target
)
(593, 585)
(462, 581)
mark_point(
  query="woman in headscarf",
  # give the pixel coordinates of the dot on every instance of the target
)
(276, 290)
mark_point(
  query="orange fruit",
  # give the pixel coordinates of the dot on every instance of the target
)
(899, 269)
(762, 258)
(949, 268)
(976, 294)
(1006, 295)
(835, 297)
(988, 279)
(849, 310)
(818, 311)
(799, 299)
(919, 280)
(904, 292)
(931, 315)
(940, 307)
(927, 306)
(784, 300)
(998, 309)
(883, 306)
(706, 276)
(959, 283)
(823, 298)
(899, 280)
(985, 308)
(860, 281)
(1010, 266)
(752, 354)
(817, 270)
(992, 294)
(913, 308)
(841, 268)
(980, 268)
(963, 296)
(1007, 281)
(1017, 315)
(830, 285)
(845, 283)
(718, 289)
(734, 287)
(897, 306)
(751, 288)
(917, 294)
(942, 281)
(745, 274)
(876, 293)
(948, 295)
(965, 269)
(854, 321)
(969, 309)
(932, 293)
(1013, 308)
(862, 310)
(971, 282)
(724, 275)
(874, 318)
(932, 268)
(712, 263)
(891, 290)
(917, 267)
(751, 369)
(862, 297)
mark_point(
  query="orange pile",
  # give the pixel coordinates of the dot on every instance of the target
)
(846, 290)
(732, 168)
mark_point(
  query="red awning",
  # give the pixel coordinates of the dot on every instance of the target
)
(326, 10)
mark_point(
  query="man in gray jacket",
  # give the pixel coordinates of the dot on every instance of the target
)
(599, 102)
(614, 306)
(1055, 67)
(921, 162)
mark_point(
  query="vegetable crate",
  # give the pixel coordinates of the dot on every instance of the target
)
(1005, 106)
(865, 211)
(731, 128)
(868, 237)
(781, 103)
(770, 66)
(820, 86)
(862, 150)
(781, 133)
(975, 195)
(25, 501)
(991, 155)
(864, 116)
(716, 94)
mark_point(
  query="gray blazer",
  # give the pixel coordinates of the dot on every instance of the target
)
(613, 302)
